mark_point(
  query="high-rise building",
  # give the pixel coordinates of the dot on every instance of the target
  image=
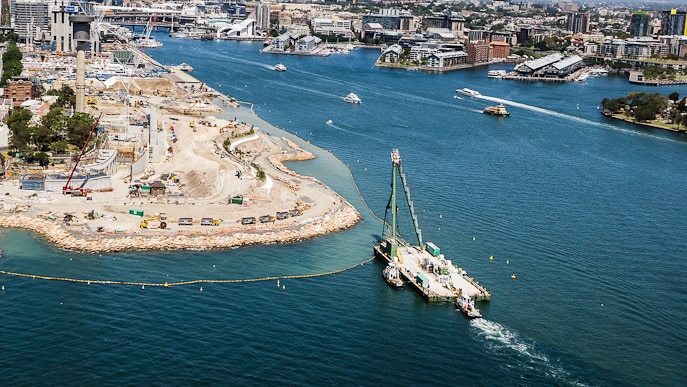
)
(30, 19)
(673, 22)
(263, 16)
(640, 23)
(578, 22)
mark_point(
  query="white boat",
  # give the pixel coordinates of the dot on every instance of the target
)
(280, 67)
(598, 72)
(392, 276)
(185, 67)
(583, 77)
(352, 98)
(467, 305)
(468, 92)
(147, 43)
(496, 74)
(329, 122)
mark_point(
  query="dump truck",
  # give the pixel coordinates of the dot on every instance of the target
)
(209, 222)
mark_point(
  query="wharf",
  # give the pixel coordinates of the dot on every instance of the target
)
(434, 277)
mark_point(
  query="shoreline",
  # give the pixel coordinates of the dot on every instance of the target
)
(201, 162)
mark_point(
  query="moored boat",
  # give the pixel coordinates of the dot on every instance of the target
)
(496, 73)
(185, 67)
(497, 110)
(467, 305)
(392, 276)
(468, 92)
(352, 98)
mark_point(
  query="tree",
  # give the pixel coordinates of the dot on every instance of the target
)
(674, 96)
(18, 124)
(78, 128)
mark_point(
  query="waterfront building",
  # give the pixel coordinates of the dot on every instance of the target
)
(392, 54)
(536, 66)
(509, 37)
(307, 43)
(499, 50)
(446, 59)
(640, 23)
(477, 52)
(674, 22)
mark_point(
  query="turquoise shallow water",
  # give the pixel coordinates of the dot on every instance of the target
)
(586, 210)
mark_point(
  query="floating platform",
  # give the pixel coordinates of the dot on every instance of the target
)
(433, 276)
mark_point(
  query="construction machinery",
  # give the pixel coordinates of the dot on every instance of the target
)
(68, 189)
(147, 222)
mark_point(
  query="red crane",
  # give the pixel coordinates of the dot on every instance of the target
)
(67, 188)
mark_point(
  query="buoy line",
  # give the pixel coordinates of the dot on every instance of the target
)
(179, 283)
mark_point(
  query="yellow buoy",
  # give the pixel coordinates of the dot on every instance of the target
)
(512, 276)
(166, 285)
(491, 257)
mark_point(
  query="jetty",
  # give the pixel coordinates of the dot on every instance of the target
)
(422, 266)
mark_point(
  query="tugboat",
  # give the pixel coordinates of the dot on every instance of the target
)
(466, 305)
(393, 276)
(497, 110)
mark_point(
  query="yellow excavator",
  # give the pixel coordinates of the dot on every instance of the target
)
(145, 223)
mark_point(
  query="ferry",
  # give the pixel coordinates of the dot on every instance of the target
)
(279, 67)
(496, 74)
(352, 98)
(497, 110)
(468, 92)
(467, 305)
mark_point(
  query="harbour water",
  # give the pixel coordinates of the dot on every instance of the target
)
(586, 211)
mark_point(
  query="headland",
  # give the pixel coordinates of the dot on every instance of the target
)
(221, 183)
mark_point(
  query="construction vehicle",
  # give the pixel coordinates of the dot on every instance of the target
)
(67, 189)
(209, 222)
(267, 218)
(146, 223)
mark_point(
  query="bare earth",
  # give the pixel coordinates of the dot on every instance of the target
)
(101, 222)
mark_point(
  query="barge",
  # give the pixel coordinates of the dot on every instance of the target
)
(423, 267)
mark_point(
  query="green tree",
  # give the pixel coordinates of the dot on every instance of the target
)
(78, 128)
(18, 123)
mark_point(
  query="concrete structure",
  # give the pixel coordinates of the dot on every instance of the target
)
(82, 35)
(578, 22)
(31, 19)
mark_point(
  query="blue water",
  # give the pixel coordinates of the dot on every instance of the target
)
(586, 210)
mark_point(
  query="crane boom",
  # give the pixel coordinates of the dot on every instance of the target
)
(67, 188)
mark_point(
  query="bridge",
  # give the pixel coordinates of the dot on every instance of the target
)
(141, 17)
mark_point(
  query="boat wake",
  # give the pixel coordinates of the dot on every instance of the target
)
(569, 117)
(518, 353)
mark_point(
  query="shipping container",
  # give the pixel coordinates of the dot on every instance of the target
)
(422, 280)
(136, 212)
(432, 249)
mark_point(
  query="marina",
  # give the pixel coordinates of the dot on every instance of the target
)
(423, 266)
